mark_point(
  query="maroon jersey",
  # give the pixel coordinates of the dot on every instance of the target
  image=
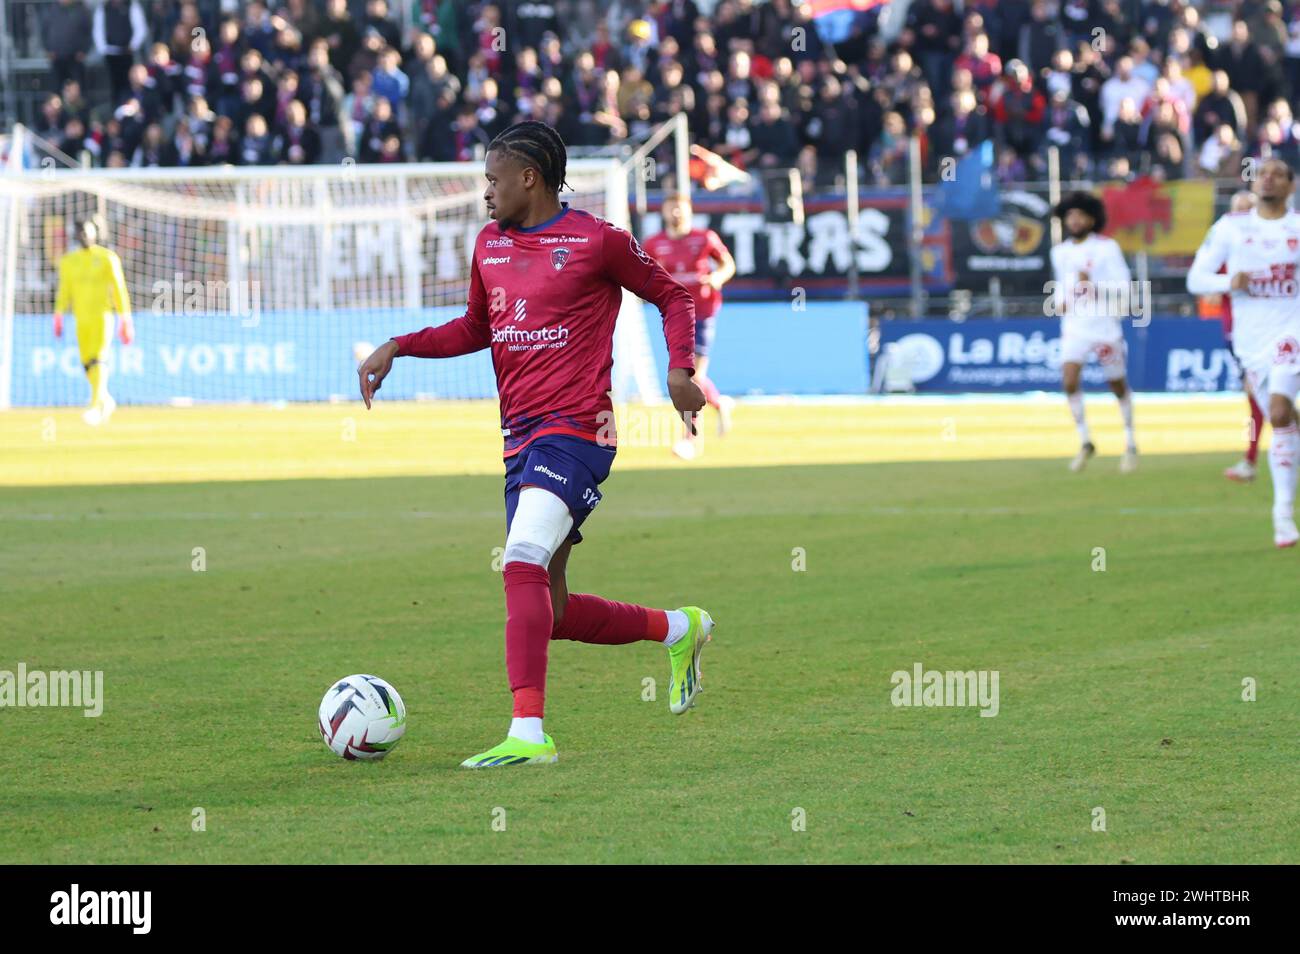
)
(545, 300)
(689, 259)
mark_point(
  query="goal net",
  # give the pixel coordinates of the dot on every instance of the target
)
(269, 284)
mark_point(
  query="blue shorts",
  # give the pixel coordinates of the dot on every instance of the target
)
(705, 329)
(571, 468)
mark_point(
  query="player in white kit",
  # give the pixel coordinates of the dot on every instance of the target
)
(1261, 249)
(1092, 291)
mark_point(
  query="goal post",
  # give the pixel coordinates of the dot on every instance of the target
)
(269, 284)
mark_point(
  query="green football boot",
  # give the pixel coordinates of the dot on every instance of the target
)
(684, 656)
(514, 752)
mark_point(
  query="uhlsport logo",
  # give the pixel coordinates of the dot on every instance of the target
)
(543, 469)
(133, 908)
(521, 309)
(558, 257)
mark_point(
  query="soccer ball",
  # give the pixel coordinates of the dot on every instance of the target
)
(362, 717)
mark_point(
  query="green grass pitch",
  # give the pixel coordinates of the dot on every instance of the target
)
(1119, 689)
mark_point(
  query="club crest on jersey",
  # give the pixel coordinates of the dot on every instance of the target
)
(1293, 243)
(558, 257)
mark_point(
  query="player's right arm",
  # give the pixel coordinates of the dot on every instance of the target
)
(1058, 281)
(1204, 278)
(470, 332)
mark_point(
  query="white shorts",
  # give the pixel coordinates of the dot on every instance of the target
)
(1110, 353)
(1274, 370)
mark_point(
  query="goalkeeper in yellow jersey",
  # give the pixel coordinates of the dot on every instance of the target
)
(92, 284)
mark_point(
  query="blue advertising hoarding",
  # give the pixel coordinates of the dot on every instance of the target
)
(312, 356)
(271, 356)
(1169, 354)
(772, 348)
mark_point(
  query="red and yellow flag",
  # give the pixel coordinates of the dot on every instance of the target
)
(1159, 218)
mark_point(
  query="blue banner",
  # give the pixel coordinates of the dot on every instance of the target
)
(816, 348)
(1169, 354)
(775, 349)
(271, 356)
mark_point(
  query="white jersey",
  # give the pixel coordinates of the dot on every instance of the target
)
(1090, 312)
(1266, 249)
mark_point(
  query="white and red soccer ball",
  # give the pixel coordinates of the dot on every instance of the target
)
(362, 717)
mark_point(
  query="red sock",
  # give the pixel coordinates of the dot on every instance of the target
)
(528, 628)
(1256, 425)
(710, 390)
(590, 619)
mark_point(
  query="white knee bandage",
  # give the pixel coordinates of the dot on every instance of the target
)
(542, 522)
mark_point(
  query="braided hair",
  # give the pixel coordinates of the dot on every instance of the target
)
(536, 144)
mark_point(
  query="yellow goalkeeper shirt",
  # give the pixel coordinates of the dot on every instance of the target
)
(91, 283)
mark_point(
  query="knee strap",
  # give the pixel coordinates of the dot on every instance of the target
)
(542, 522)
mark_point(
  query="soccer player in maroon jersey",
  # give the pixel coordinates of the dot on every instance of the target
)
(689, 254)
(546, 282)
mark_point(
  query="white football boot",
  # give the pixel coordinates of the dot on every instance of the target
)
(1242, 472)
(1285, 533)
(1081, 459)
(725, 405)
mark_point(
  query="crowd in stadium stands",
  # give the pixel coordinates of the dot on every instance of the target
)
(1122, 87)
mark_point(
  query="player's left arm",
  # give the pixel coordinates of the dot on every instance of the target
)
(726, 269)
(1117, 270)
(63, 298)
(121, 300)
(629, 265)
